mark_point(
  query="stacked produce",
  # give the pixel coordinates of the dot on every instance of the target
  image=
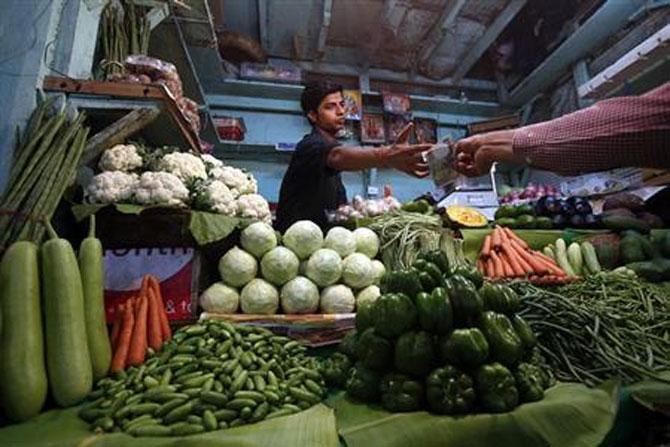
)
(458, 216)
(44, 165)
(505, 255)
(625, 211)
(521, 216)
(210, 376)
(141, 325)
(124, 30)
(574, 212)
(132, 173)
(610, 325)
(71, 306)
(576, 259)
(361, 208)
(529, 193)
(305, 275)
(439, 339)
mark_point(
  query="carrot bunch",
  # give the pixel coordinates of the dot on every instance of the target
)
(505, 255)
(141, 323)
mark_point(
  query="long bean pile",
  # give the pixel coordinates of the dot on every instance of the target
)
(404, 235)
(124, 30)
(610, 325)
(45, 162)
(210, 376)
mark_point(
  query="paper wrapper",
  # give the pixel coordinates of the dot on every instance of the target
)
(440, 161)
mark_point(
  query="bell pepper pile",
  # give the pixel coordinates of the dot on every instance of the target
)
(441, 339)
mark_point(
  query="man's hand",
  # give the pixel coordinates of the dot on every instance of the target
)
(408, 158)
(476, 154)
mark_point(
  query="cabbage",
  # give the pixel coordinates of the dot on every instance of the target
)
(378, 271)
(237, 267)
(341, 240)
(259, 297)
(304, 238)
(357, 271)
(338, 299)
(299, 296)
(220, 298)
(279, 265)
(324, 267)
(258, 239)
(367, 242)
(367, 295)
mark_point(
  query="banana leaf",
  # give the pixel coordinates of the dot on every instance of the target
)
(569, 415)
(210, 227)
(313, 427)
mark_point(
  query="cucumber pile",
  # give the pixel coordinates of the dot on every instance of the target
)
(210, 376)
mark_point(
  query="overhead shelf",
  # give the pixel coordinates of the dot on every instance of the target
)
(106, 99)
(236, 150)
(647, 56)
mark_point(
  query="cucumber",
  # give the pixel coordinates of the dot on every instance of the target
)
(92, 279)
(68, 360)
(562, 257)
(575, 258)
(23, 376)
(590, 257)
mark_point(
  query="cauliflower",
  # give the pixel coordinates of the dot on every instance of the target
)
(184, 165)
(220, 199)
(111, 187)
(160, 188)
(211, 161)
(254, 206)
(122, 157)
(236, 179)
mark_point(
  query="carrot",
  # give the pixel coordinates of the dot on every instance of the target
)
(125, 335)
(490, 268)
(166, 332)
(507, 267)
(154, 322)
(512, 260)
(486, 249)
(551, 266)
(497, 265)
(495, 237)
(480, 265)
(138, 348)
(515, 252)
(116, 325)
(537, 266)
(512, 236)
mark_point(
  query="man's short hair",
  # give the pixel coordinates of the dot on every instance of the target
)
(314, 93)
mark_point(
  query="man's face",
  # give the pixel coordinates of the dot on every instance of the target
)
(330, 114)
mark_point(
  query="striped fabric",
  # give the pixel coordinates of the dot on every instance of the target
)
(627, 131)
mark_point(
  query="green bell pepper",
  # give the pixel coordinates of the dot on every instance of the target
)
(530, 382)
(373, 351)
(348, 344)
(363, 383)
(465, 300)
(365, 316)
(535, 358)
(505, 345)
(394, 314)
(525, 332)
(435, 311)
(496, 388)
(335, 369)
(450, 391)
(434, 271)
(439, 258)
(465, 348)
(401, 281)
(468, 271)
(500, 298)
(400, 393)
(414, 353)
(427, 281)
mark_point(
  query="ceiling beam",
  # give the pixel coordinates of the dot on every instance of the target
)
(493, 31)
(325, 27)
(438, 32)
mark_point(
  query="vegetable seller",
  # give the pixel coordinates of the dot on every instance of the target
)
(312, 184)
(619, 132)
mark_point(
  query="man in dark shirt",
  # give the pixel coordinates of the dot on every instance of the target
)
(312, 184)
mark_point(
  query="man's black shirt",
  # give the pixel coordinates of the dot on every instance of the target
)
(310, 187)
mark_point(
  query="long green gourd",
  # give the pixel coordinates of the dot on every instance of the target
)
(91, 266)
(68, 359)
(23, 377)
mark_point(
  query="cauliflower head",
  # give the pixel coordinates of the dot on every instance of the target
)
(184, 165)
(160, 188)
(111, 187)
(220, 199)
(236, 179)
(122, 157)
(211, 161)
(254, 206)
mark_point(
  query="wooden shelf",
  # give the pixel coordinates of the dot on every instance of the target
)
(111, 92)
